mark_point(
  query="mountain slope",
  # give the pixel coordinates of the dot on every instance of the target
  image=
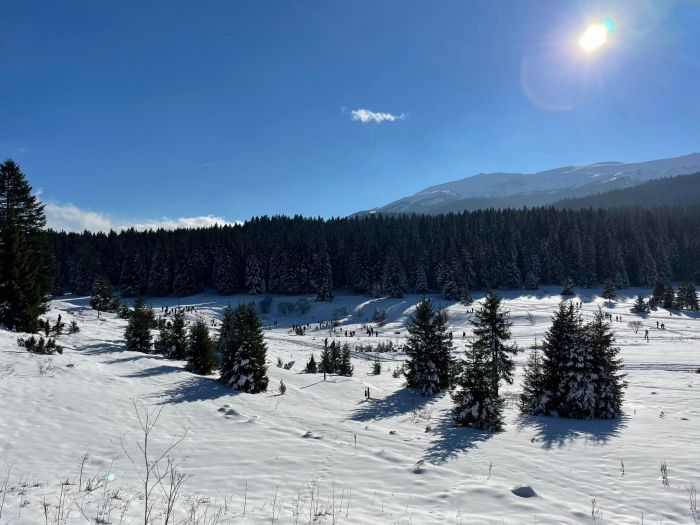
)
(500, 190)
(683, 190)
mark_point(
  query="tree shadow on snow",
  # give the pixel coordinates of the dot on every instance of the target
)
(195, 388)
(560, 431)
(452, 440)
(155, 371)
(101, 348)
(400, 402)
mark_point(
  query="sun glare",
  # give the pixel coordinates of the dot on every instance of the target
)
(594, 37)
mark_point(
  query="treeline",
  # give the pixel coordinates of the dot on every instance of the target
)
(379, 255)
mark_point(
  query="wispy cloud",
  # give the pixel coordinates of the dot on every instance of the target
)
(365, 116)
(69, 217)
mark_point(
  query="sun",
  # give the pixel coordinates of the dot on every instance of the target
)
(593, 37)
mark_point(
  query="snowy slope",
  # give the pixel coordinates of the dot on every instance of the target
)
(361, 461)
(518, 189)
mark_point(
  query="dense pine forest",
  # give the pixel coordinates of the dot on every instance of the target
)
(379, 255)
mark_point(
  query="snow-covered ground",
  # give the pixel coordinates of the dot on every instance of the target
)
(322, 453)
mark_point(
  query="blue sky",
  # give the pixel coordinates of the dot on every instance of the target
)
(129, 112)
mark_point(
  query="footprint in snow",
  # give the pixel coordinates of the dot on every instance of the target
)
(524, 492)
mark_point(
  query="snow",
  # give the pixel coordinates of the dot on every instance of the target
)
(395, 458)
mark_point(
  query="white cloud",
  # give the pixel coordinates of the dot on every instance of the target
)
(365, 115)
(70, 218)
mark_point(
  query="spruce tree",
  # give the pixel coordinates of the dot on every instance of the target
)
(640, 306)
(609, 290)
(200, 349)
(568, 287)
(102, 297)
(172, 341)
(558, 341)
(429, 350)
(25, 276)
(158, 276)
(669, 301)
(311, 367)
(476, 403)
(512, 277)
(325, 366)
(226, 326)
(421, 285)
(322, 276)
(254, 280)
(224, 274)
(138, 330)
(532, 396)
(335, 358)
(394, 277)
(491, 333)
(345, 367)
(607, 367)
(243, 361)
(577, 388)
(657, 296)
(687, 297)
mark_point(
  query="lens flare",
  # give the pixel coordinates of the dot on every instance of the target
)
(594, 37)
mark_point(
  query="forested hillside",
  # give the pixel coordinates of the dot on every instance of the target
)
(683, 190)
(391, 255)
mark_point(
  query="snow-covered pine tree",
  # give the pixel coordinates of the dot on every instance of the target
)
(325, 365)
(669, 301)
(138, 330)
(394, 277)
(25, 276)
(640, 306)
(558, 341)
(172, 342)
(429, 350)
(311, 367)
(491, 334)
(102, 297)
(607, 367)
(345, 367)
(609, 290)
(322, 276)
(200, 349)
(687, 297)
(335, 358)
(532, 396)
(577, 389)
(531, 281)
(243, 361)
(657, 295)
(254, 280)
(476, 404)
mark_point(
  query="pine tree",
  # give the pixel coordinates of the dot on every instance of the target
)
(428, 348)
(577, 396)
(558, 341)
(326, 366)
(609, 291)
(322, 276)
(138, 330)
(491, 332)
(224, 274)
(254, 280)
(172, 341)
(421, 285)
(25, 276)
(687, 297)
(102, 297)
(511, 276)
(657, 296)
(243, 361)
(476, 404)
(335, 357)
(607, 367)
(311, 367)
(345, 367)
(183, 283)
(394, 277)
(640, 306)
(532, 397)
(200, 349)
(669, 298)
(158, 276)
(226, 326)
